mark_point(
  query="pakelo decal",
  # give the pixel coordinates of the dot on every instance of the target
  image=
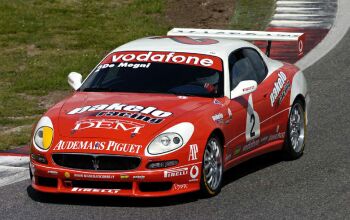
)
(278, 86)
(120, 106)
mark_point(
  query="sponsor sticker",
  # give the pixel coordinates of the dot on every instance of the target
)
(67, 175)
(193, 152)
(139, 178)
(124, 176)
(237, 150)
(119, 125)
(97, 145)
(217, 102)
(137, 116)
(92, 190)
(278, 86)
(284, 93)
(254, 143)
(218, 118)
(176, 172)
(122, 107)
(93, 176)
(180, 186)
(52, 172)
(201, 60)
(125, 65)
(229, 113)
(194, 171)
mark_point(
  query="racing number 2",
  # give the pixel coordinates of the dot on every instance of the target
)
(253, 121)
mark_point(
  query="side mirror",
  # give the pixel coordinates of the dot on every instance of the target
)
(244, 87)
(75, 80)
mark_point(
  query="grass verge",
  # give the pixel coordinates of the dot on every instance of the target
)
(41, 41)
(252, 14)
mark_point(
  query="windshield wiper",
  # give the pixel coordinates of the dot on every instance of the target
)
(190, 94)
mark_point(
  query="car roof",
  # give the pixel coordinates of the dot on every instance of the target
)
(222, 48)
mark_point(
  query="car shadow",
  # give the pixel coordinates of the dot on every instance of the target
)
(230, 176)
(252, 166)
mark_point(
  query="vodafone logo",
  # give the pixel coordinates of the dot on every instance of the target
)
(166, 57)
(194, 172)
(301, 46)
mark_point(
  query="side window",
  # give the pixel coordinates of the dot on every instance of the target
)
(246, 64)
(257, 63)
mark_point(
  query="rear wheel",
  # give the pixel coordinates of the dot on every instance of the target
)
(212, 168)
(296, 131)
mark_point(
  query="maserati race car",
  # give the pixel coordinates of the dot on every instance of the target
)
(168, 115)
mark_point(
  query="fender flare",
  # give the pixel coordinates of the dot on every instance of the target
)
(299, 87)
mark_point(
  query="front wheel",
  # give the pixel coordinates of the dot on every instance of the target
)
(296, 130)
(212, 168)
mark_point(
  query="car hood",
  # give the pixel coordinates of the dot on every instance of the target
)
(122, 116)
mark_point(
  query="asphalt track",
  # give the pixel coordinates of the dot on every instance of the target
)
(317, 186)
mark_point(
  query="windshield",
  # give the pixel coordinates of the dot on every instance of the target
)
(158, 72)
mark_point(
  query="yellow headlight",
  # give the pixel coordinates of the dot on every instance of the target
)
(43, 137)
(47, 137)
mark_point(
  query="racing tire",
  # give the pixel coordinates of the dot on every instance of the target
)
(294, 143)
(212, 168)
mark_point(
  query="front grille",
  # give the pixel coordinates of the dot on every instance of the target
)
(96, 161)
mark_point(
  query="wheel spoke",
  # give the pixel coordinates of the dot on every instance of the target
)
(209, 180)
(212, 164)
(206, 165)
(209, 174)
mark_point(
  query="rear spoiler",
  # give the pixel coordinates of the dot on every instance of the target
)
(244, 35)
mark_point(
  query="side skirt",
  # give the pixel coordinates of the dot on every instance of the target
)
(272, 146)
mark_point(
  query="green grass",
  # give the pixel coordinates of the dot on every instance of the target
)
(252, 14)
(41, 41)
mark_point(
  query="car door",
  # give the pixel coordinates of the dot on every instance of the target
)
(249, 111)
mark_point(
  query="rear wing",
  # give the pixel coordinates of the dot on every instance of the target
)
(244, 35)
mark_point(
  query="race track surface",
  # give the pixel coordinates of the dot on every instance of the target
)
(317, 186)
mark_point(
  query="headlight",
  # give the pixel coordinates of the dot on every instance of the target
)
(165, 143)
(43, 135)
(171, 139)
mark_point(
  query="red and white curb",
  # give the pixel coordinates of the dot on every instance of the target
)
(304, 14)
(13, 169)
(313, 17)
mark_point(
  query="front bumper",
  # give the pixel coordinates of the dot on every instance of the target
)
(141, 183)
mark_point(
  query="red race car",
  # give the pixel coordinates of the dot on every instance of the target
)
(168, 115)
